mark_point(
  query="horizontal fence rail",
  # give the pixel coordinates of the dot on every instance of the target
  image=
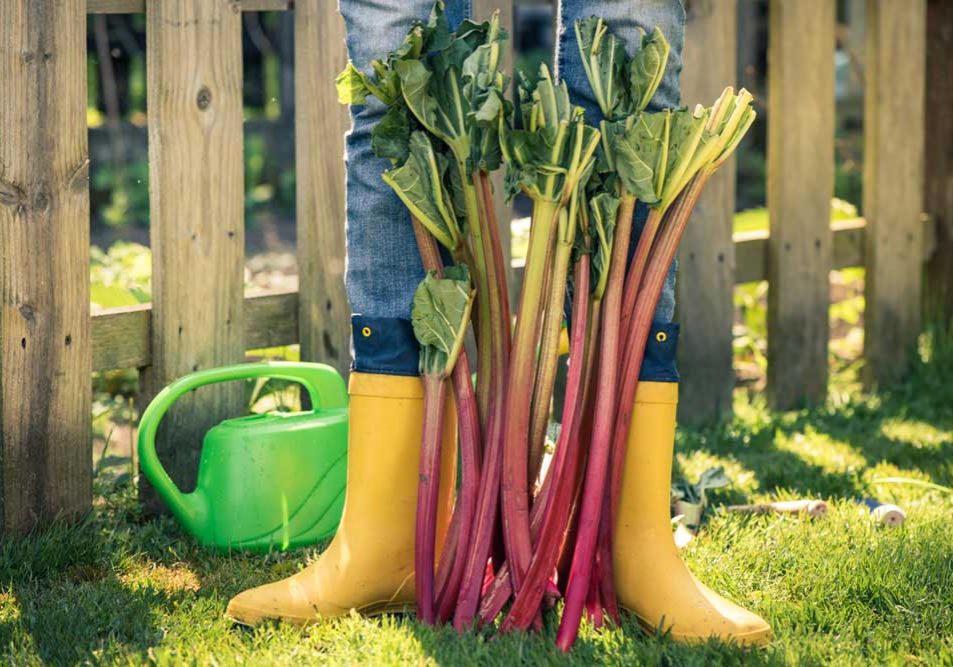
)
(121, 336)
(139, 6)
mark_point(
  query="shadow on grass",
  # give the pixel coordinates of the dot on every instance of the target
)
(909, 427)
(104, 587)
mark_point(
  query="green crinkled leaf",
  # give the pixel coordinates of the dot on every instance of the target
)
(551, 100)
(352, 86)
(554, 149)
(640, 156)
(603, 209)
(419, 183)
(439, 315)
(622, 85)
(604, 59)
(684, 137)
(390, 137)
(647, 68)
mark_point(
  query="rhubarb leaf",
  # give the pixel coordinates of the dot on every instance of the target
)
(352, 86)
(439, 315)
(603, 209)
(640, 155)
(684, 137)
(548, 157)
(390, 137)
(419, 183)
(622, 85)
(604, 60)
(647, 68)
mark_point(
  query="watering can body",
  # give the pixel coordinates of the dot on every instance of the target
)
(265, 481)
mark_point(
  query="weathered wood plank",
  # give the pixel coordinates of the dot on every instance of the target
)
(752, 251)
(122, 337)
(194, 55)
(139, 6)
(706, 256)
(938, 133)
(320, 124)
(893, 184)
(800, 186)
(752, 256)
(44, 272)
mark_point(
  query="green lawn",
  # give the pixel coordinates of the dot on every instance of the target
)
(119, 589)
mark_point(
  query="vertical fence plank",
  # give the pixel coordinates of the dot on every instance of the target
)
(800, 186)
(194, 53)
(707, 255)
(482, 10)
(320, 124)
(938, 133)
(45, 353)
(893, 184)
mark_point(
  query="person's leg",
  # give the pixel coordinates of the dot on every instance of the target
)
(369, 565)
(626, 18)
(650, 578)
(383, 265)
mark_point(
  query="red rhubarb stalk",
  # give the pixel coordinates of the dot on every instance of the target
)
(641, 322)
(556, 517)
(514, 490)
(450, 568)
(435, 395)
(594, 486)
(637, 266)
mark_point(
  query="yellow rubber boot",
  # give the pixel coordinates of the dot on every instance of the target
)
(651, 579)
(369, 565)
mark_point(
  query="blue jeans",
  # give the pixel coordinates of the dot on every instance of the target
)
(383, 265)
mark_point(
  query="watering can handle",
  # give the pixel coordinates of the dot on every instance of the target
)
(324, 385)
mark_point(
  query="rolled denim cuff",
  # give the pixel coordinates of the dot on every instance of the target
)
(658, 365)
(384, 345)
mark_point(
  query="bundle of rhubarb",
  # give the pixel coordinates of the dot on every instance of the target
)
(523, 535)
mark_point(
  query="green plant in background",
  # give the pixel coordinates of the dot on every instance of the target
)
(126, 191)
(120, 276)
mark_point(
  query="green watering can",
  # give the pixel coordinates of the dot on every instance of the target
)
(265, 481)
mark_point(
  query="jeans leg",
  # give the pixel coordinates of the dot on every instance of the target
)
(625, 18)
(383, 265)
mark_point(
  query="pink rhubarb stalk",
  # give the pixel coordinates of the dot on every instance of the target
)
(594, 485)
(435, 397)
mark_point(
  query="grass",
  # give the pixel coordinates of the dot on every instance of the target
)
(120, 589)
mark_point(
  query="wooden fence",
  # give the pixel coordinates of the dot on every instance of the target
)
(200, 318)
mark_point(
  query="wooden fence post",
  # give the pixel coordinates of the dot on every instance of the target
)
(196, 192)
(707, 255)
(800, 186)
(320, 124)
(893, 184)
(45, 353)
(938, 134)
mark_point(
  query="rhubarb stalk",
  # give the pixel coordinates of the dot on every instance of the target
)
(439, 315)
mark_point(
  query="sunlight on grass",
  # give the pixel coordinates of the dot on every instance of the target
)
(169, 579)
(9, 608)
(915, 433)
(821, 450)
